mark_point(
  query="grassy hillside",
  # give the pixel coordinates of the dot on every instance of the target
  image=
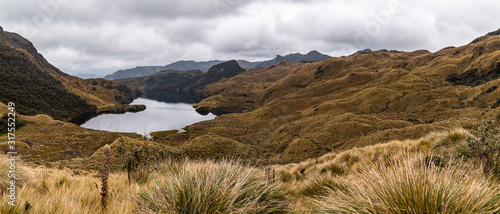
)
(30, 86)
(411, 176)
(37, 87)
(301, 110)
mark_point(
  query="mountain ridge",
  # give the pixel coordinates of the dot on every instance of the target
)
(141, 71)
(355, 101)
(186, 83)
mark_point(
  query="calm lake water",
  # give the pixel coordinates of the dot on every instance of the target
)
(158, 116)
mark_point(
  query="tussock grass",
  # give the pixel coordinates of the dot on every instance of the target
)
(411, 176)
(4, 174)
(212, 187)
(345, 162)
(58, 191)
(371, 168)
(208, 187)
(320, 185)
(411, 186)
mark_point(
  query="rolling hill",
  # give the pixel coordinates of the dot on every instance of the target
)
(300, 110)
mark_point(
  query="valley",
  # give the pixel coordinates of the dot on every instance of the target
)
(302, 137)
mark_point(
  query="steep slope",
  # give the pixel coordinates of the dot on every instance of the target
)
(37, 87)
(360, 100)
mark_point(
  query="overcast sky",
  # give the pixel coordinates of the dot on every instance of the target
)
(102, 36)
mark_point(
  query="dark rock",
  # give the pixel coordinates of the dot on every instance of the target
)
(491, 89)
(474, 77)
(224, 70)
(494, 33)
(203, 110)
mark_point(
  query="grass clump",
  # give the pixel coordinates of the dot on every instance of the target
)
(423, 145)
(212, 187)
(285, 176)
(320, 186)
(408, 185)
(454, 137)
(333, 169)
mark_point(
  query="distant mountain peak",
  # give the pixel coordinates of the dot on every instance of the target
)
(229, 68)
(295, 57)
(362, 51)
(313, 52)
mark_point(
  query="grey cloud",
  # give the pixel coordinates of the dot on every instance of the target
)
(103, 36)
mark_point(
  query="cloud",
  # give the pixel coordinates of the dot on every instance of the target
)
(98, 36)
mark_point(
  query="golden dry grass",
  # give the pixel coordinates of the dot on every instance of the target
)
(361, 100)
(234, 188)
(412, 185)
(312, 186)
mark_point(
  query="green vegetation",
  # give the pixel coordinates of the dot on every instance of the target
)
(483, 147)
(31, 86)
(37, 87)
(162, 134)
(4, 122)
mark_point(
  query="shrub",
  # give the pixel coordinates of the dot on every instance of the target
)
(4, 122)
(483, 147)
(410, 186)
(212, 187)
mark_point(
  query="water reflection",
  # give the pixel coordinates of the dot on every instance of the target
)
(171, 96)
(158, 116)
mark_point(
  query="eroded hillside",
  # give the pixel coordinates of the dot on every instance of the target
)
(295, 111)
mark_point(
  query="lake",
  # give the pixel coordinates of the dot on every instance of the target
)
(158, 116)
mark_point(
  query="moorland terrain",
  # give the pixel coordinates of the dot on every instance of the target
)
(366, 133)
